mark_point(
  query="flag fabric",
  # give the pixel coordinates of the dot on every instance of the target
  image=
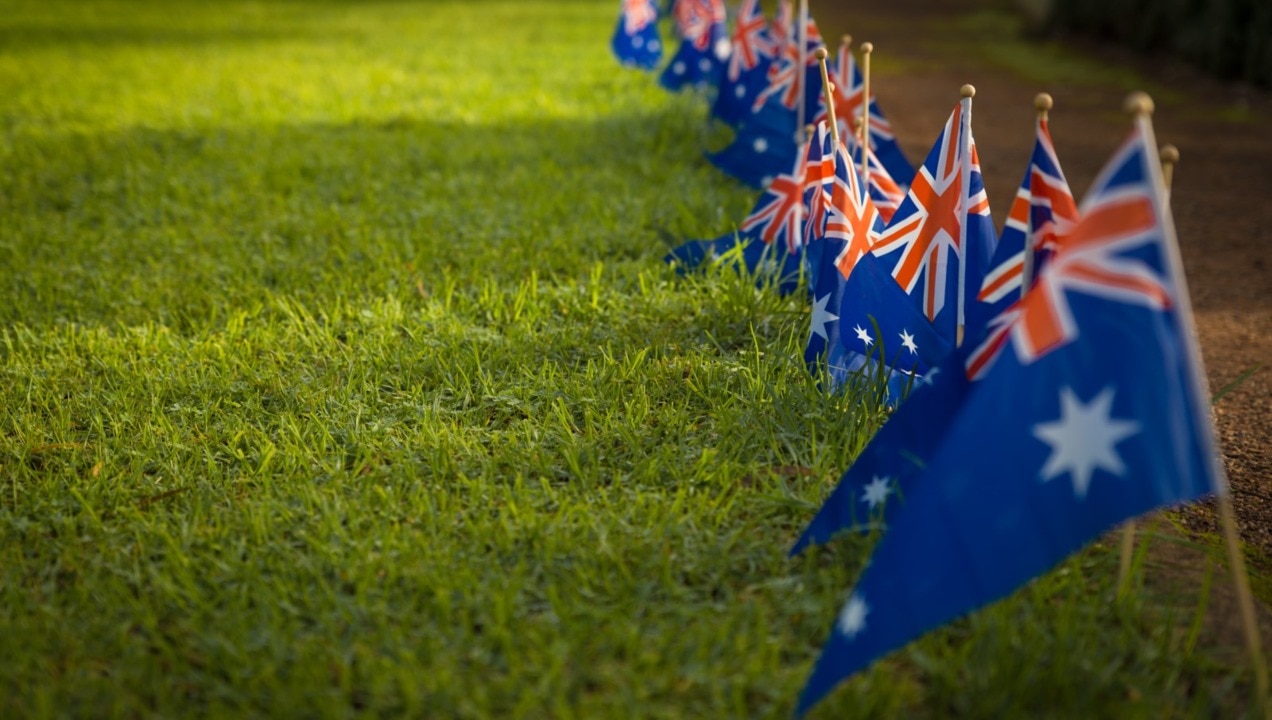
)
(757, 154)
(769, 241)
(789, 83)
(879, 479)
(940, 240)
(819, 179)
(1042, 210)
(862, 321)
(876, 317)
(746, 74)
(766, 137)
(886, 193)
(704, 45)
(1096, 399)
(848, 97)
(845, 233)
(636, 42)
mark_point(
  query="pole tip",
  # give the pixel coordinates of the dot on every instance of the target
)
(867, 48)
(845, 39)
(856, 123)
(1043, 103)
(809, 129)
(1170, 155)
(968, 91)
(820, 53)
(1139, 103)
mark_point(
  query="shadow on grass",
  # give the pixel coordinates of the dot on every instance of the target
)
(176, 227)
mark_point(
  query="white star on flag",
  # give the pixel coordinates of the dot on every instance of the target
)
(876, 492)
(760, 145)
(862, 335)
(822, 317)
(852, 619)
(1084, 438)
(678, 67)
(930, 378)
(908, 341)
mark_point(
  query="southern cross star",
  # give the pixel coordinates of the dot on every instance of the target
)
(1084, 438)
(852, 619)
(876, 491)
(907, 340)
(822, 317)
(862, 335)
(930, 378)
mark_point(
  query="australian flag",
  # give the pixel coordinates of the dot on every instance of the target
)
(746, 74)
(1097, 398)
(790, 83)
(862, 320)
(766, 137)
(758, 154)
(769, 241)
(849, 88)
(704, 46)
(636, 42)
(886, 193)
(940, 240)
(1042, 211)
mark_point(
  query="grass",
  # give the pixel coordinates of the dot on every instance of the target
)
(341, 376)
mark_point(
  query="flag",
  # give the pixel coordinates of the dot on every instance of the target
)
(883, 474)
(1043, 209)
(751, 53)
(875, 316)
(849, 88)
(769, 241)
(757, 154)
(886, 193)
(636, 42)
(703, 45)
(940, 240)
(819, 178)
(1099, 412)
(789, 83)
(862, 320)
(768, 133)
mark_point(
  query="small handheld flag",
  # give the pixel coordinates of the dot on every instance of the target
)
(703, 46)
(636, 42)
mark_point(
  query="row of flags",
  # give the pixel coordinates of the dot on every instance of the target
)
(1046, 381)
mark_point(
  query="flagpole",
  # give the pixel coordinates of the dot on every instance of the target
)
(1170, 158)
(1141, 106)
(866, 49)
(801, 71)
(965, 180)
(1169, 155)
(828, 91)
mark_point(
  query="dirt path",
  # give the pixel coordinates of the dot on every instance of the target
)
(1222, 194)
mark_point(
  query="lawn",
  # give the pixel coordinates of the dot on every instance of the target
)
(340, 375)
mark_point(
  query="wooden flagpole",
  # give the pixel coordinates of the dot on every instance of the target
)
(828, 91)
(801, 35)
(1169, 155)
(965, 178)
(866, 50)
(1141, 106)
